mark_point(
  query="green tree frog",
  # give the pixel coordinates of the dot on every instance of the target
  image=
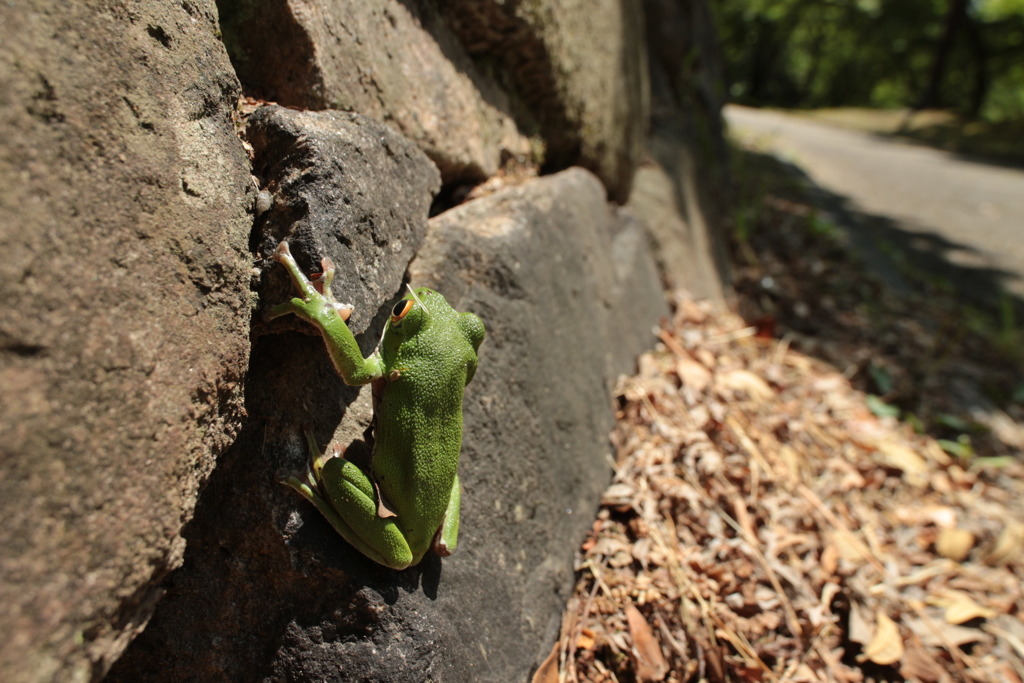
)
(409, 501)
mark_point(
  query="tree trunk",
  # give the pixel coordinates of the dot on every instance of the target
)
(931, 95)
(981, 79)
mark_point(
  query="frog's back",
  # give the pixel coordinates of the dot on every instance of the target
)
(418, 434)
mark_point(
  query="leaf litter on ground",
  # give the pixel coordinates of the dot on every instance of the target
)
(764, 524)
(768, 521)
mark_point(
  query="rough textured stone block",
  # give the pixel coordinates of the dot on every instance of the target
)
(683, 189)
(689, 252)
(381, 58)
(579, 67)
(124, 200)
(344, 186)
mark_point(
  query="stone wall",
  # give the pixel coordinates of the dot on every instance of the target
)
(147, 404)
(124, 217)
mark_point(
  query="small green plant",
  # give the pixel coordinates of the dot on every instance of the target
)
(961, 448)
(952, 422)
(915, 422)
(823, 228)
(881, 377)
(880, 408)
(741, 224)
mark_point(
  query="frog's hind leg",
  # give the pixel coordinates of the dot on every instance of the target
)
(349, 505)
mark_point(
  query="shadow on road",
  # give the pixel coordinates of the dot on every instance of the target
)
(906, 314)
(1000, 148)
(910, 257)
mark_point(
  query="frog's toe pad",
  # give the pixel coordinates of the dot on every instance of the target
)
(344, 310)
(282, 252)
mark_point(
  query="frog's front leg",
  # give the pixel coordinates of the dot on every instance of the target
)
(447, 536)
(319, 308)
(345, 496)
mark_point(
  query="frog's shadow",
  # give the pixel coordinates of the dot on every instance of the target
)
(318, 542)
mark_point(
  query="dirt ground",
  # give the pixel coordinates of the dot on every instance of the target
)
(825, 484)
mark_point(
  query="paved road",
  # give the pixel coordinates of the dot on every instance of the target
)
(962, 218)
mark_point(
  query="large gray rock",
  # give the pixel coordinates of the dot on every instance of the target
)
(580, 69)
(550, 247)
(344, 186)
(381, 58)
(124, 199)
(269, 591)
(686, 72)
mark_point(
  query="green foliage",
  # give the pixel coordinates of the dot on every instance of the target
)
(961, 448)
(879, 53)
(881, 377)
(879, 407)
(820, 227)
(994, 10)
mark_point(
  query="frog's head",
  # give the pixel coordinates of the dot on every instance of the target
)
(412, 314)
(423, 309)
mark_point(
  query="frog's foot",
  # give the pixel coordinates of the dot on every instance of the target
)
(303, 484)
(315, 301)
(308, 482)
(316, 458)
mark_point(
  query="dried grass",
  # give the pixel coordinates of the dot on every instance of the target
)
(765, 525)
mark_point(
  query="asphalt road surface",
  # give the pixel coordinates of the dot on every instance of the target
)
(957, 218)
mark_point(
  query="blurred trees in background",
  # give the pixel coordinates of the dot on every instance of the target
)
(964, 55)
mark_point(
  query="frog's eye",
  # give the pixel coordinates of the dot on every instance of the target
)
(401, 309)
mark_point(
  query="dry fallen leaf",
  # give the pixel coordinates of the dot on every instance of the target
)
(693, 374)
(618, 552)
(850, 548)
(690, 311)
(939, 634)
(829, 560)
(791, 459)
(651, 664)
(960, 607)
(618, 496)
(899, 456)
(886, 646)
(1010, 541)
(746, 381)
(942, 516)
(858, 628)
(955, 544)
(918, 664)
(804, 674)
(547, 672)
(964, 610)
